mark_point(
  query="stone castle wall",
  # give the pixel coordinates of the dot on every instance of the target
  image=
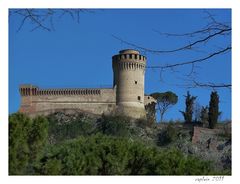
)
(46, 101)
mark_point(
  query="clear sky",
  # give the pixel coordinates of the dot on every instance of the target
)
(79, 54)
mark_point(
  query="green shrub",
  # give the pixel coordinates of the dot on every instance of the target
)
(167, 135)
(19, 126)
(52, 167)
(37, 136)
(107, 155)
(114, 125)
(27, 138)
(93, 154)
(144, 123)
(59, 130)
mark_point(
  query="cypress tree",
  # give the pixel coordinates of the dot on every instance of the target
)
(204, 116)
(213, 112)
(189, 108)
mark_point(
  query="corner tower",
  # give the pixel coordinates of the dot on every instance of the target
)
(129, 69)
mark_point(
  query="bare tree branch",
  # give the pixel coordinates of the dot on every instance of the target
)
(212, 85)
(22, 23)
(195, 84)
(35, 19)
(185, 47)
(44, 18)
(193, 61)
(190, 34)
(210, 28)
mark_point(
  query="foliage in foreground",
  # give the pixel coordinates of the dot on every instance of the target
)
(167, 135)
(85, 148)
(27, 138)
(107, 155)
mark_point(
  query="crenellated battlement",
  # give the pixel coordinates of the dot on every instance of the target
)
(129, 57)
(29, 90)
(128, 60)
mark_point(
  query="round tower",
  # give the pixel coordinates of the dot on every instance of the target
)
(129, 69)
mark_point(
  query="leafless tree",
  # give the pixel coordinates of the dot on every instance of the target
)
(197, 39)
(44, 18)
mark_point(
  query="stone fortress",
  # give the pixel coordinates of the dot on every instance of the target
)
(126, 97)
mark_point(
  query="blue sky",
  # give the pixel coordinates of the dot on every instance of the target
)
(79, 54)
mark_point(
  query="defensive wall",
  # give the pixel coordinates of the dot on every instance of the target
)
(91, 100)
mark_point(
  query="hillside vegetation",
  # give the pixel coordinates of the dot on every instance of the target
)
(82, 144)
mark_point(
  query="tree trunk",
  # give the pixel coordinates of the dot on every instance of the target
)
(161, 117)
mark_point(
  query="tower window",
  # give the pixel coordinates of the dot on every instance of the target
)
(135, 56)
(139, 98)
(135, 82)
(130, 56)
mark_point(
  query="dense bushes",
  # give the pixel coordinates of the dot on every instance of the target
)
(83, 146)
(18, 146)
(63, 128)
(27, 138)
(107, 155)
(114, 125)
(167, 135)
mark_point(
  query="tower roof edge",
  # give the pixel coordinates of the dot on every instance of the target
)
(129, 51)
